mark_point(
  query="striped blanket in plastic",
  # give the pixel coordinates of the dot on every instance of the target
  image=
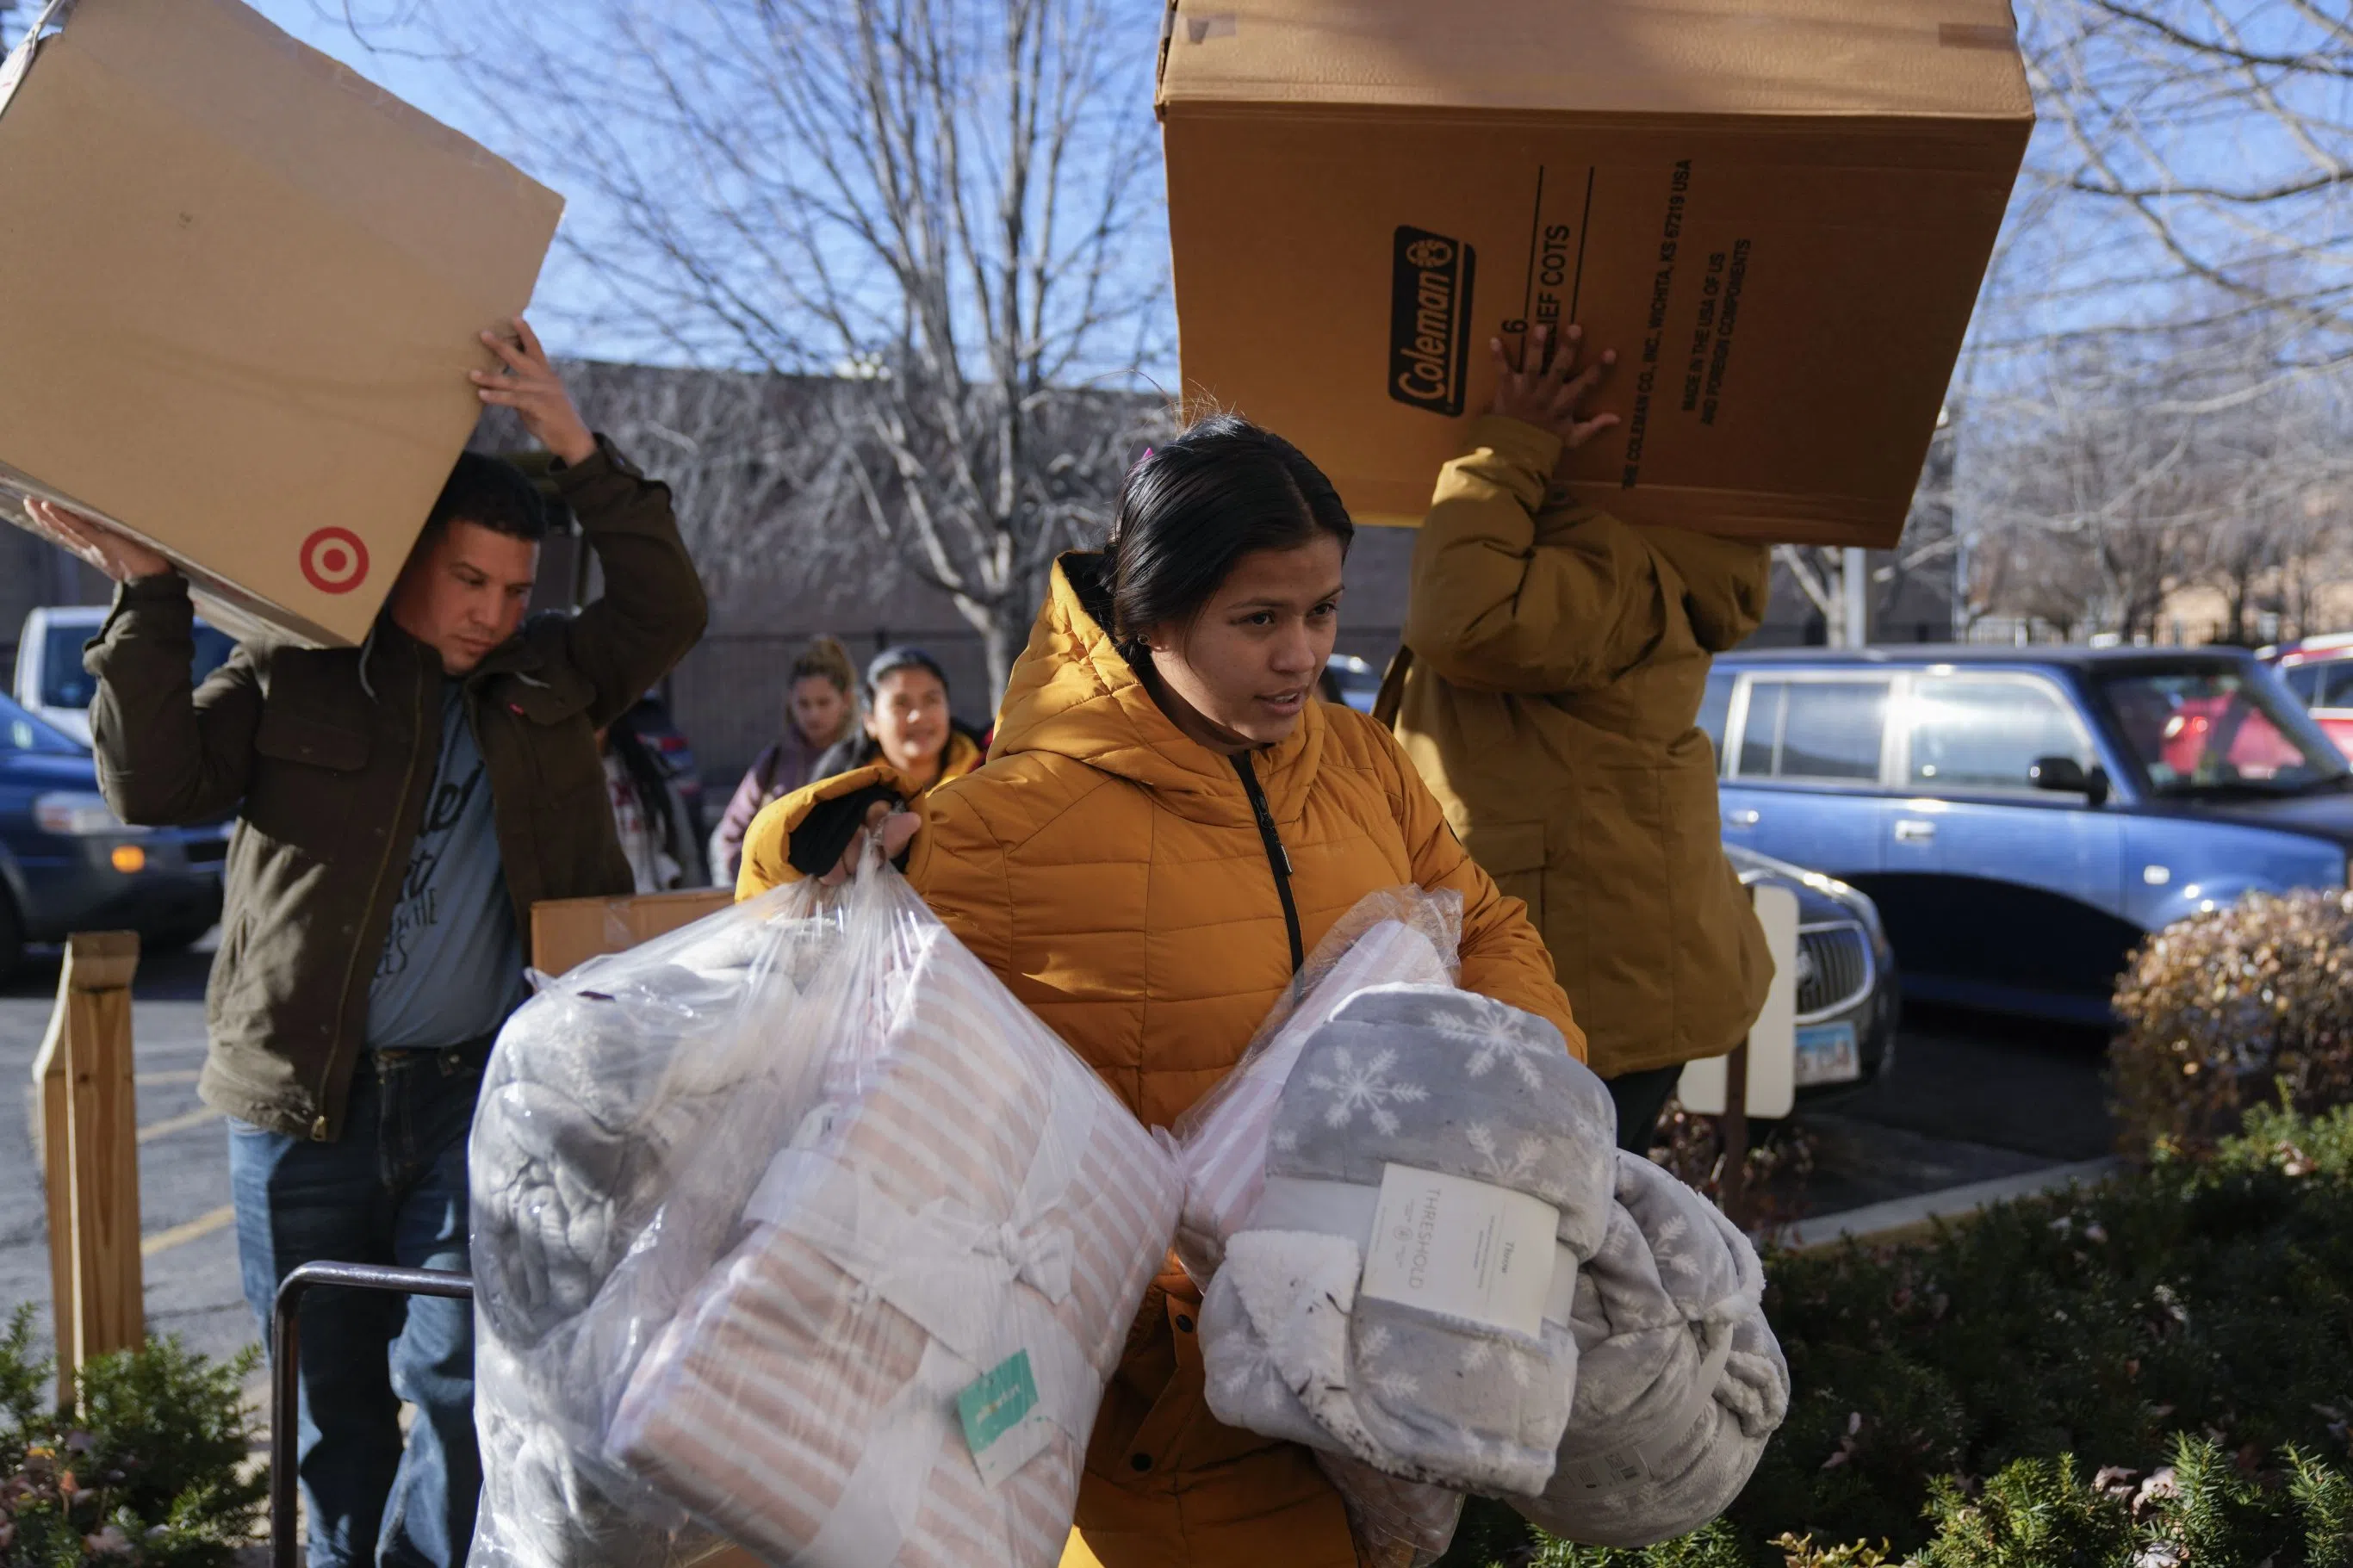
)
(901, 1359)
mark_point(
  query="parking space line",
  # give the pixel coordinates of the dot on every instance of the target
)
(180, 1123)
(202, 1226)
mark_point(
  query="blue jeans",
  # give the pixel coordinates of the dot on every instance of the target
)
(392, 1191)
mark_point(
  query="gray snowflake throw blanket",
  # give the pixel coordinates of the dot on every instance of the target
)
(1402, 1291)
(1679, 1381)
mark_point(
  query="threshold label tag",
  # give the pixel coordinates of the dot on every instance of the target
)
(1446, 1244)
(1002, 1423)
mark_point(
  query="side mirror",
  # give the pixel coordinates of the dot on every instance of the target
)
(2066, 775)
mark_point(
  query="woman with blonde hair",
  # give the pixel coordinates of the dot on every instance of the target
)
(819, 711)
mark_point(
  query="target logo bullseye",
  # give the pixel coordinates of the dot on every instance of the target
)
(334, 561)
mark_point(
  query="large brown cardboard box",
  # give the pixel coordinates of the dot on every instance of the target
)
(568, 933)
(245, 287)
(1778, 213)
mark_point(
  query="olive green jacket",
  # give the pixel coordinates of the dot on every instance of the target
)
(326, 756)
(1556, 661)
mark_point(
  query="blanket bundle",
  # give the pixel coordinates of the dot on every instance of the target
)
(1448, 1277)
(599, 1093)
(1396, 937)
(795, 1227)
(1680, 1381)
(1440, 1165)
(982, 1214)
(902, 1352)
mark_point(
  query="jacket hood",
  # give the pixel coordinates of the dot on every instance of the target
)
(1726, 583)
(1075, 695)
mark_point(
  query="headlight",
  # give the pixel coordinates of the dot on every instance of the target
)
(75, 814)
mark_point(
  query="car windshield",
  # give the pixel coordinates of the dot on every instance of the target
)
(21, 732)
(65, 684)
(2213, 730)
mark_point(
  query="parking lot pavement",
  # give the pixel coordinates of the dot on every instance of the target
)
(190, 1245)
(1972, 1097)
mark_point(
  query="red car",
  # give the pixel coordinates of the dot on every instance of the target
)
(2319, 670)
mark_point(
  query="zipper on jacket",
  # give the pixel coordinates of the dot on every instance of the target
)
(423, 749)
(1277, 858)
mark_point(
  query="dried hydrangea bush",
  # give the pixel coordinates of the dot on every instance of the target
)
(2246, 1005)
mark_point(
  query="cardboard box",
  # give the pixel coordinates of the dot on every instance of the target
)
(568, 933)
(246, 286)
(1778, 212)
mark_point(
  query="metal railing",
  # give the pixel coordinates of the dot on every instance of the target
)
(286, 1370)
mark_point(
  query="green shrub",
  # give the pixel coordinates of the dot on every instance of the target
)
(2207, 1297)
(2230, 1010)
(1951, 1396)
(2204, 1511)
(152, 1474)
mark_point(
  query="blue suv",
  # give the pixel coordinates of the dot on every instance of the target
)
(2022, 817)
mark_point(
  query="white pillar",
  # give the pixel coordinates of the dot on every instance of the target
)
(1854, 584)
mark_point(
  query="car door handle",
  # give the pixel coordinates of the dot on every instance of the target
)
(1745, 817)
(1911, 830)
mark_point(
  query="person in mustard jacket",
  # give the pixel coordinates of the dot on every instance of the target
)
(1169, 820)
(1554, 662)
(908, 727)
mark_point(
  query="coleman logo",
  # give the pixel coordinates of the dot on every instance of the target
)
(1430, 320)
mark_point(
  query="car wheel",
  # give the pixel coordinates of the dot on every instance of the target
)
(11, 935)
(173, 939)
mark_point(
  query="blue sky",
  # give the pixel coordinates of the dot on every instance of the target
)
(400, 60)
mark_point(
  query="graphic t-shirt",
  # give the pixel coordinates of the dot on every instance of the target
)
(451, 968)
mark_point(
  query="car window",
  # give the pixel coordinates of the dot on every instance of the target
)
(2334, 687)
(1986, 733)
(65, 684)
(2209, 729)
(20, 731)
(1826, 730)
(2303, 679)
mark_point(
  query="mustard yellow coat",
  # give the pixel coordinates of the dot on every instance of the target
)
(1560, 657)
(1111, 872)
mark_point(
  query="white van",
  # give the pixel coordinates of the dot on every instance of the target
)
(50, 680)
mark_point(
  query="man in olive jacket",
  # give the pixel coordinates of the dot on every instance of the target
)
(401, 807)
(1555, 659)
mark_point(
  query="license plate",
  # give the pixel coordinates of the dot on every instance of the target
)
(1827, 1054)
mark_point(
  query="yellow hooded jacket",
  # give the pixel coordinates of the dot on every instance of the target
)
(1559, 661)
(1113, 874)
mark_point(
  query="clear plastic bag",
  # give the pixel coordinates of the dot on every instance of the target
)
(1398, 935)
(1404, 935)
(1680, 1382)
(875, 1240)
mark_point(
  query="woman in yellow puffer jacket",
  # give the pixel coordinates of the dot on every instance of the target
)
(1168, 821)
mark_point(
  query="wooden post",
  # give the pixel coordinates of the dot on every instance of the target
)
(90, 1154)
(1733, 1187)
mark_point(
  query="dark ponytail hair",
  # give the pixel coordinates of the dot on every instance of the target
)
(1192, 508)
(892, 660)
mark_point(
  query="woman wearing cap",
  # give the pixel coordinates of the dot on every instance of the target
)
(1169, 822)
(909, 731)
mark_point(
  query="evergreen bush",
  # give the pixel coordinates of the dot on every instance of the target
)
(2232, 1008)
(2154, 1373)
(152, 1474)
